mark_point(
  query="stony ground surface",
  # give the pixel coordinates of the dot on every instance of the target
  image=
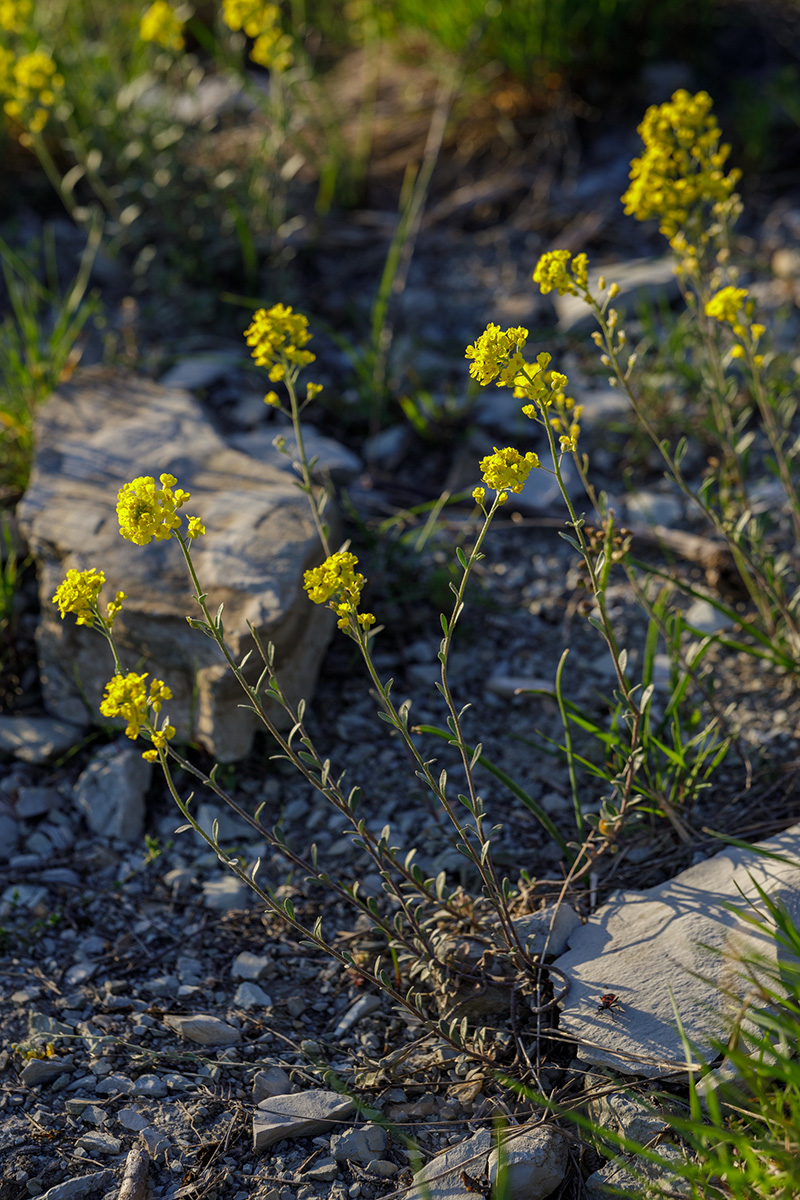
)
(109, 944)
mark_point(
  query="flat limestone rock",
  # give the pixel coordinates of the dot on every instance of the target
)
(38, 739)
(675, 939)
(205, 1030)
(443, 1177)
(639, 279)
(105, 428)
(298, 1115)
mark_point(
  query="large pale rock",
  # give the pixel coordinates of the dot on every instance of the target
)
(111, 792)
(639, 280)
(443, 1177)
(676, 940)
(299, 1115)
(99, 432)
(203, 1029)
(535, 1162)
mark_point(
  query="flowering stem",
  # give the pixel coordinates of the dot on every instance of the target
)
(290, 380)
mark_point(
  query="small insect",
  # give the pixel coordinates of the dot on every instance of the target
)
(608, 1002)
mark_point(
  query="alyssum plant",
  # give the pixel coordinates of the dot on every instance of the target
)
(681, 171)
(424, 913)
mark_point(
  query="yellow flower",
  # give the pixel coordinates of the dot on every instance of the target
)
(260, 20)
(195, 528)
(126, 696)
(497, 355)
(507, 470)
(680, 172)
(277, 336)
(14, 15)
(336, 582)
(30, 84)
(160, 24)
(78, 594)
(726, 304)
(553, 270)
(479, 495)
(113, 607)
(147, 512)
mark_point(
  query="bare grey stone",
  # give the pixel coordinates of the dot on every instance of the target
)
(362, 1008)
(203, 1029)
(250, 995)
(362, 1145)
(114, 1085)
(41, 1070)
(627, 1116)
(271, 1082)
(549, 927)
(654, 508)
(111, 791)
(639, 279)
(333, 459)
(200, 370)
(157, 1143)
(677, 939)
(83, 1185)
(383, 1167)
(299, 1115)
(9, 836)
(226, 893)
(38, 739)
(635, 1173)
(249, 966)
(102, 430)
(100, 1143)
(324, 1170)
(535, 1160)
(36, 801)
(440, 1179)
(150, 1085)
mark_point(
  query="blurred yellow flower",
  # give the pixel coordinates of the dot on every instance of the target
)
(30, 84)
(277, 336)
(160, 24)
(727, 304)
(260, 21)
(554, 270)
(15, 14)
(680, 172)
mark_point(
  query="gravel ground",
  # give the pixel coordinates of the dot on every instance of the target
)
(105, 944)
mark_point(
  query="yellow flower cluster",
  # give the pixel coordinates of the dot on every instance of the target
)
(680, 171)
(30, 84)
(78, 594)
(261, 21)
(128, 697)
(147, 512)
(277, 336)
(335, 581)
(507, 470)
(160, 24)
(15, 15)
(497, 355)
(554, 271)
(731, 307)
(726, 304)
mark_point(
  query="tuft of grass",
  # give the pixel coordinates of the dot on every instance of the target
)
(40, 344)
